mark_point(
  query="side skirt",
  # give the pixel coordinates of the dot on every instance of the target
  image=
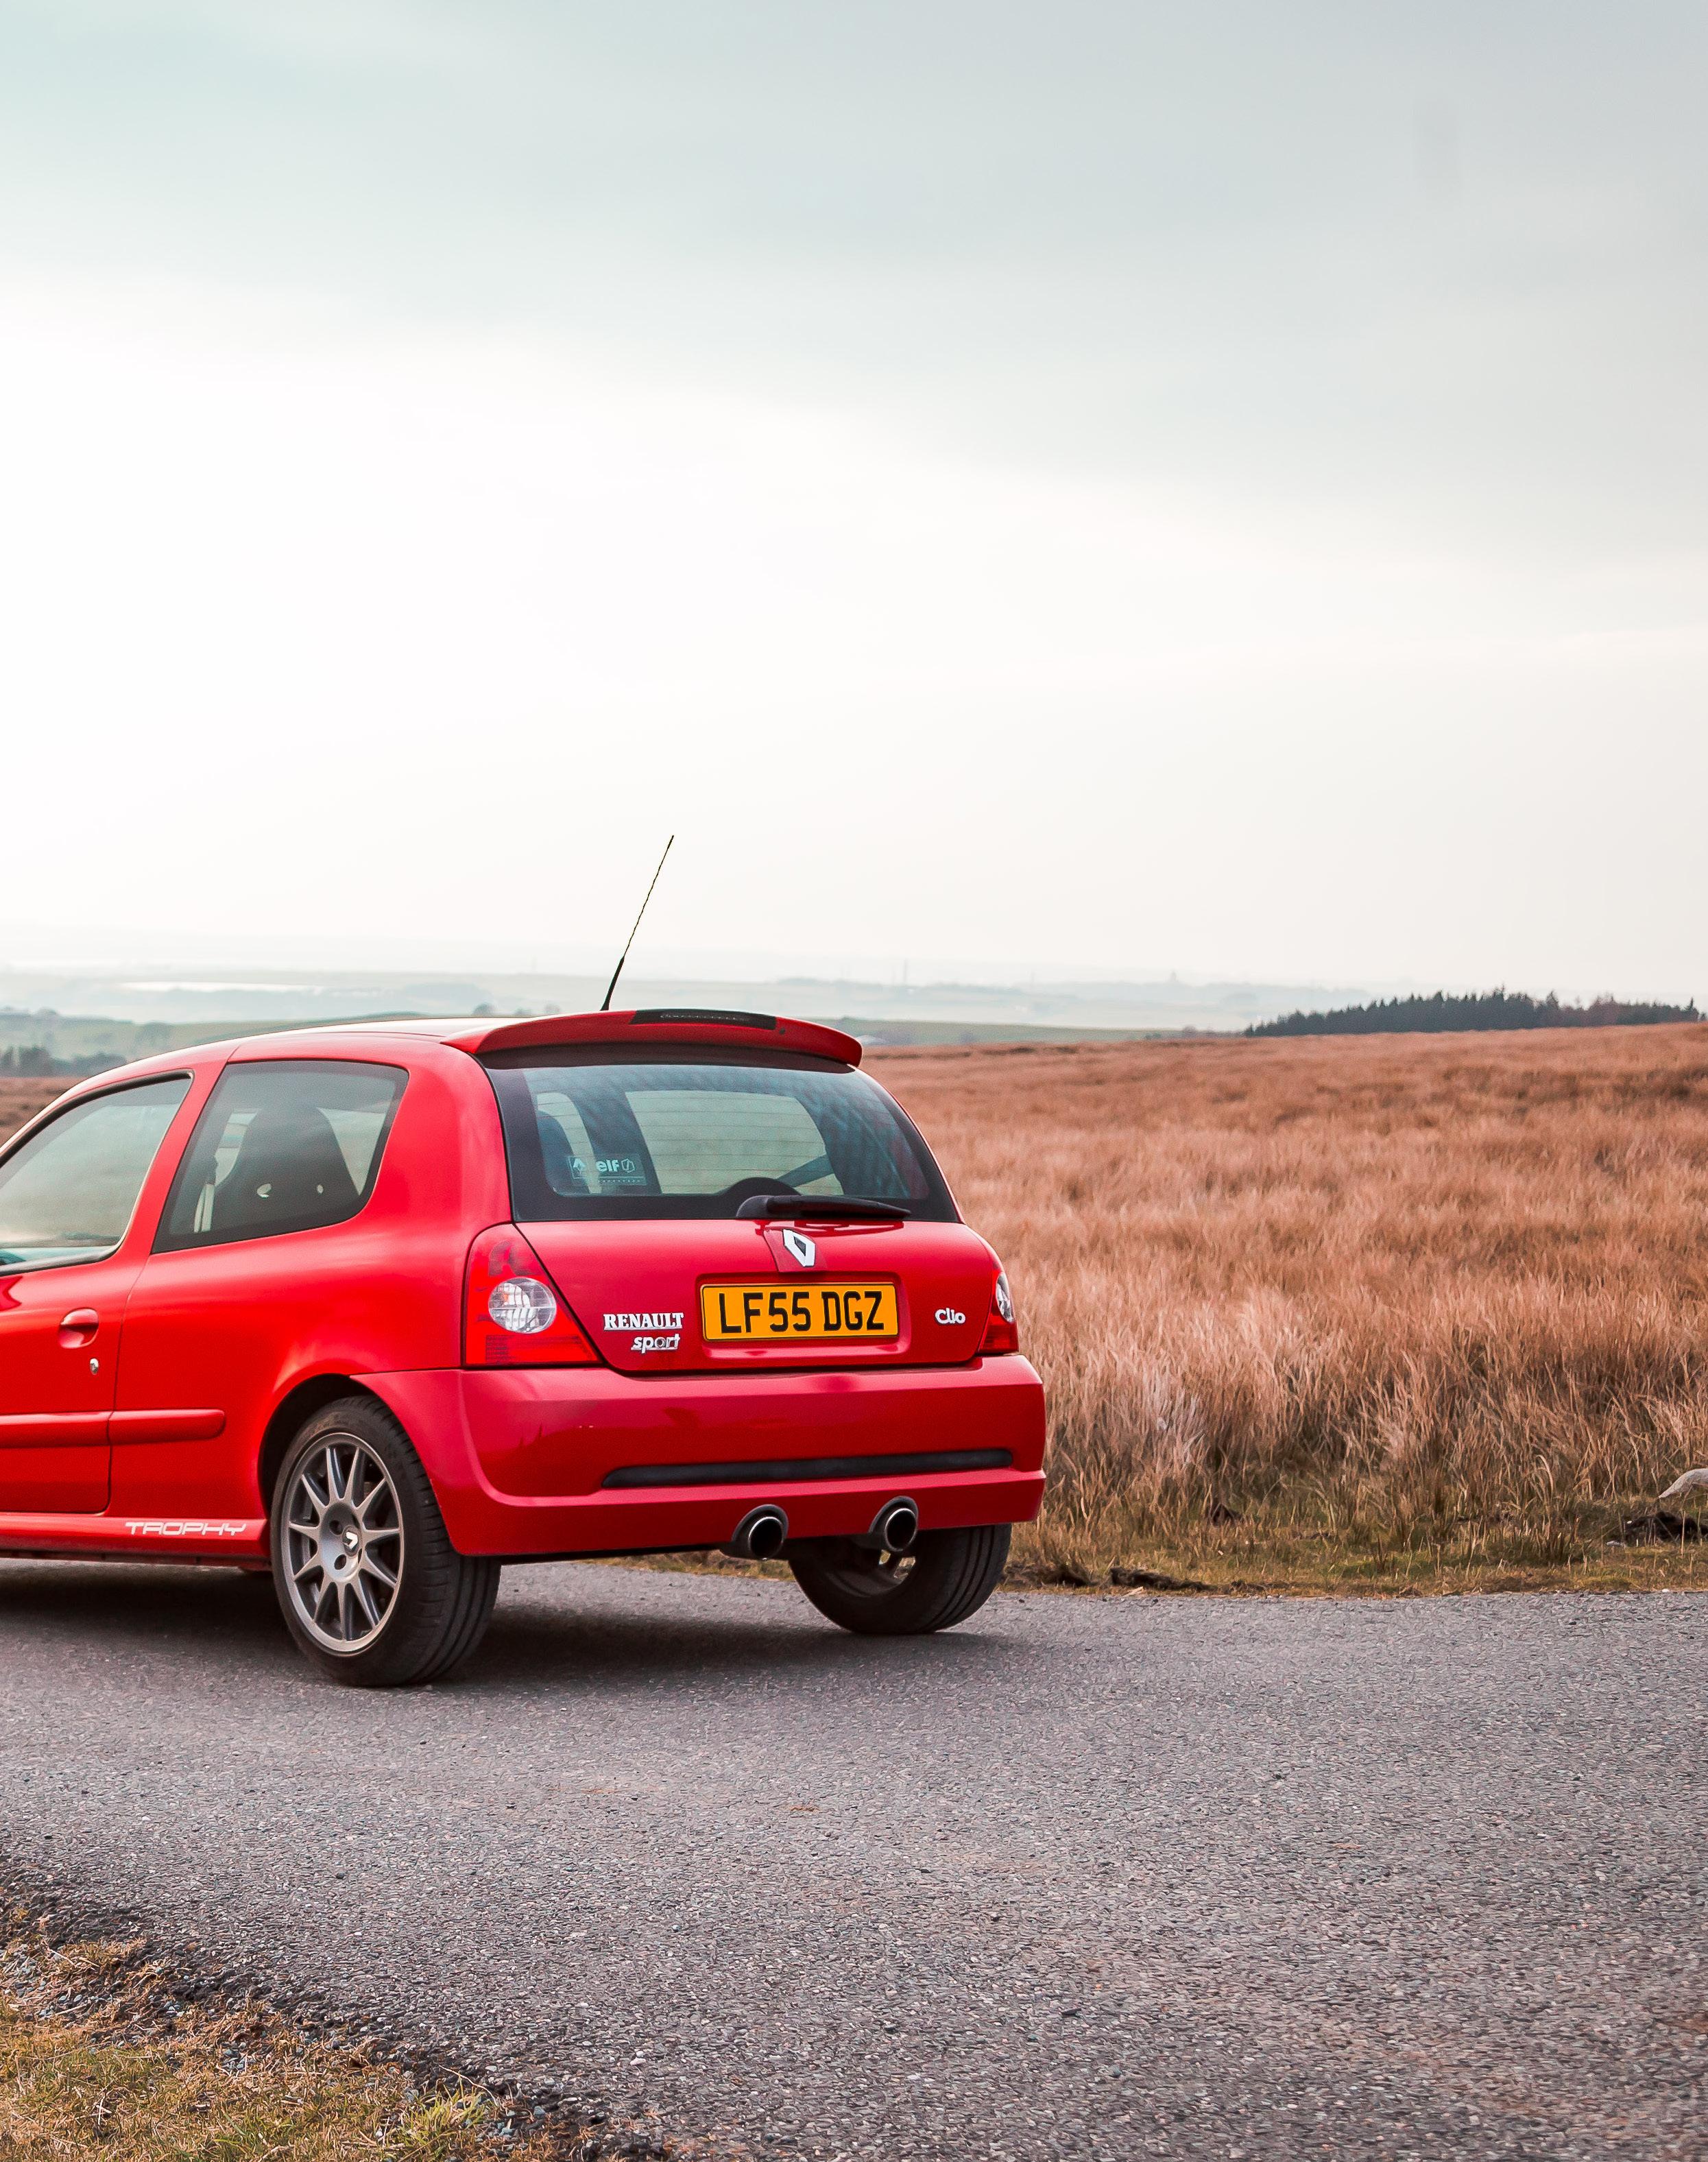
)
(228, 1540)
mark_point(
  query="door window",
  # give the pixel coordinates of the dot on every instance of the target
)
(284, 1145)
(67, 1194)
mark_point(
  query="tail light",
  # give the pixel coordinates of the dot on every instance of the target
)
(1001, 1332)
(513, 1314)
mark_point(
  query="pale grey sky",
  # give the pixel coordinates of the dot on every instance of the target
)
(1213, 486)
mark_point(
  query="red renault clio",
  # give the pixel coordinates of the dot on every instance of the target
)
(384, 1307)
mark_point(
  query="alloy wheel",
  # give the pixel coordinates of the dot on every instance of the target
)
(344, 1544)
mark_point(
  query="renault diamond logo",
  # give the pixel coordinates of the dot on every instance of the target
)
(803, 1248)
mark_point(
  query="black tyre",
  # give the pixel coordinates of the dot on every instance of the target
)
(368, 1580)
(942, 1578)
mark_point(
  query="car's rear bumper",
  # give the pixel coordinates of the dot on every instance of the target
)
(519, 1459)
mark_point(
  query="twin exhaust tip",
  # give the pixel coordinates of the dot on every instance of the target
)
(760, 1536)
(895, 1528)
(762, 1532)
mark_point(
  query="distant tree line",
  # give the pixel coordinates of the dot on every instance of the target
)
(1498, 1009)
(33, 1061)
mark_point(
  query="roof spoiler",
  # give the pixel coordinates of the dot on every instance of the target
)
(708, 1024)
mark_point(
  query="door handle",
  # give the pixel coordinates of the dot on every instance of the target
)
(78, 1329)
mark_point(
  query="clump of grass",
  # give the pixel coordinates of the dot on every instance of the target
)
(1413, 1312)
(97, 2057)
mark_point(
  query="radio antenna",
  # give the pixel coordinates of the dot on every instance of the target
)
(605, 1004)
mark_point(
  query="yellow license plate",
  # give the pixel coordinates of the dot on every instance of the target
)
(750, 1312)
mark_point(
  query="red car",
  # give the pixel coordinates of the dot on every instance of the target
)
(384, 1307)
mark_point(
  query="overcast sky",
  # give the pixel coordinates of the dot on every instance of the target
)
(1214, 487)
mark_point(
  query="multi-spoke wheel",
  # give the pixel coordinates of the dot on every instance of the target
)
(939, 1579)
(371, 1587)
(344, 1544)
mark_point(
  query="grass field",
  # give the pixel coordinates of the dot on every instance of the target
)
(1403, 1311)
(1398, 1312)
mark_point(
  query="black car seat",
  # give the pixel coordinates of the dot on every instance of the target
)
(289, 1170)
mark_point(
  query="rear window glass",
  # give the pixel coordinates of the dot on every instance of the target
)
(594, 1135)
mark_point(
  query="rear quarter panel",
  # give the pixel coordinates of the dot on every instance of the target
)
(236, 1327)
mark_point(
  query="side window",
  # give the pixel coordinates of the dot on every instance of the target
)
(284, 1145)
(67, 1194)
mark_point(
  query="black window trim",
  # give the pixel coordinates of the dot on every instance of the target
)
(197, 1242)
(49, 1116)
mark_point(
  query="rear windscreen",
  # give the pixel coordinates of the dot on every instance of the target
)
(602, 1135)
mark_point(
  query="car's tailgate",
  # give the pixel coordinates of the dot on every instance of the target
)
(733, 1294)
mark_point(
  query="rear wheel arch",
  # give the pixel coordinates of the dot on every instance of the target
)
(293, 1409)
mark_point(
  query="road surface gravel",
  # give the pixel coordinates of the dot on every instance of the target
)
(1089, 1876)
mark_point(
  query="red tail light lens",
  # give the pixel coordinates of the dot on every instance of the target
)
(1001, 1332)
(513, 1315)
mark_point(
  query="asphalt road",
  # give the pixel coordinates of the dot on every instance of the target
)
(1090, 1877)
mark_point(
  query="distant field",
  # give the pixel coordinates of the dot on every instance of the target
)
(1425, 1310)
(91, 1043)
(21, 1099)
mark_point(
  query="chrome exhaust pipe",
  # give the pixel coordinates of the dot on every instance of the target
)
(895, 1528)
(760, 1536)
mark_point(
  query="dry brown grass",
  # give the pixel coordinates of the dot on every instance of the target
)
(98, 2057)
(1421, 1310)
(21, 1099)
